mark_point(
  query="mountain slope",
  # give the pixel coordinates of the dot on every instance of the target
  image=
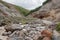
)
(49, 11)
(22, 10)
(11, 13)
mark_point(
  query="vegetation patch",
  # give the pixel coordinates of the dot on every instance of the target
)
(58, 27)
(22, 10)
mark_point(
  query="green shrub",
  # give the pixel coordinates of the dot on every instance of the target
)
(58, 27)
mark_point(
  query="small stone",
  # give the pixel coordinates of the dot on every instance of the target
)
(28, 38)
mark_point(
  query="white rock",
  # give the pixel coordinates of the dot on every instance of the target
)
(3, 37)
(47, 22)
(2, 30)
(24, 30)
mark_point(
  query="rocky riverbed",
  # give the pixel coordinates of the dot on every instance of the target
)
(31, 31)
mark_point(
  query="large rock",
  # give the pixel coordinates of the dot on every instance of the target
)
(3, 37)
(14, 27)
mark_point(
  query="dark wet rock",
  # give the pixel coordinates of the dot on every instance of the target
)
(7, 33)
(2, 24)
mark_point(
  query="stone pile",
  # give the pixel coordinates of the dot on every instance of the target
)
(29, 31)
(25, 32)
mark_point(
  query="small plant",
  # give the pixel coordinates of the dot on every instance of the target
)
(58, 27)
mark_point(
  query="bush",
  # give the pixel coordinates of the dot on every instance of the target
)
(58, 27)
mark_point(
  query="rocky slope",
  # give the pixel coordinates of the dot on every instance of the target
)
(32, 27)
(49, 11)
(30, 31)
(8, 11)
(11, 13)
